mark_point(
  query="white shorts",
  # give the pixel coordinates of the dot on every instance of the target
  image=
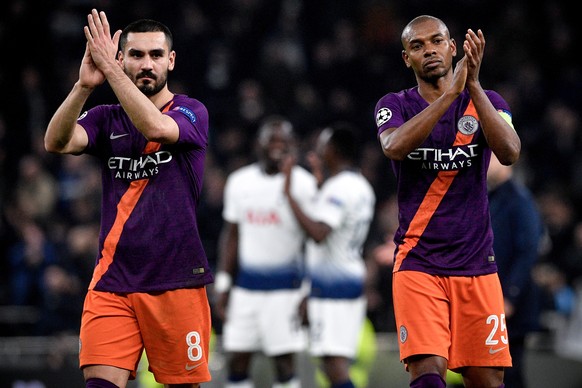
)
(335, 326)
(266, 321)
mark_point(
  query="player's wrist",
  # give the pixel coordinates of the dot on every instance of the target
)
(222, 282)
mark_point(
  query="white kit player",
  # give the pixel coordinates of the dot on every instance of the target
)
(261, 261)
(337, 224)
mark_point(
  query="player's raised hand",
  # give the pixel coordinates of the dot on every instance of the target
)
(474, 46)
(89, 75)
(316, 166)
(459, 76)
(286, 167)
(102, 47)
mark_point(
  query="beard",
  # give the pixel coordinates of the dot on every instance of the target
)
(152, 86)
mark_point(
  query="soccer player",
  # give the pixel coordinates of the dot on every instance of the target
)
(261, 256)
(439, 136)
(337, 224)
(149, 284)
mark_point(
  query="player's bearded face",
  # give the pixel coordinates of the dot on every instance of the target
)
(148, 82)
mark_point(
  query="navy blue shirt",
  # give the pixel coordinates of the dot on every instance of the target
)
(517, 229)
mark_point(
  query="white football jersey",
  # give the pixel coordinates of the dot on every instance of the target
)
(346, 203)
(271, 241)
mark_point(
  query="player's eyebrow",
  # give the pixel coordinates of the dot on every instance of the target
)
(158, 52)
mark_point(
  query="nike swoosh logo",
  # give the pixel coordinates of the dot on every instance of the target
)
(114, 136)
(190, 367)
(493, 351)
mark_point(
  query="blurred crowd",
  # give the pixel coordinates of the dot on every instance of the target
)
(312, 61)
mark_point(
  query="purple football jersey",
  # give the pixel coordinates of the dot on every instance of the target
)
(149, 238)
(444, 224)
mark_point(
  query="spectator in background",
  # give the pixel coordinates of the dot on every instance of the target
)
(39, 279)
(29, 259)
(261, 257)
(559, 294)
(558, 270)
(559, 214)
(79, 180)
(518, 234)
(62, 302)
(337, 224)
(36, 192)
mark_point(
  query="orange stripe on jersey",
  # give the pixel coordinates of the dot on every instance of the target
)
(124, 208)
(461, 138)
(432, 199)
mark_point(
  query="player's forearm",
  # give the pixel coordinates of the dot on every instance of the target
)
(501, 136)
(143, 113)
(227, 258)
(406, 138)
(60, 135)
(317, 231)
(228, 248)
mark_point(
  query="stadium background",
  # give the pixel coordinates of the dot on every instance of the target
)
(313, 61)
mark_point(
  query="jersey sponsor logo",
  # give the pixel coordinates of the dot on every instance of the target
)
(467, 125)
(263, 217)
(493, 351)
(187, 112)
(383, 116)
(450, 159)
(138, 168)
(114, 136)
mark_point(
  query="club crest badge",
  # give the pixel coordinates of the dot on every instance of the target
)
(403, 334)
(467, 125)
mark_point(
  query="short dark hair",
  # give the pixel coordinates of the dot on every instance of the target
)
(343, 138)
(146, 25)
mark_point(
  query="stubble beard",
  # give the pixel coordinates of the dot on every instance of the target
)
(433, 76)
(149, 88)
(152, 88)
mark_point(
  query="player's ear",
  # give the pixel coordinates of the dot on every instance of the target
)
(454, 47)
(120, 58)
(171, 60)
(405, 58)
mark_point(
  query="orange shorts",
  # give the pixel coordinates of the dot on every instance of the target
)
(460, 318)
(174, 327)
